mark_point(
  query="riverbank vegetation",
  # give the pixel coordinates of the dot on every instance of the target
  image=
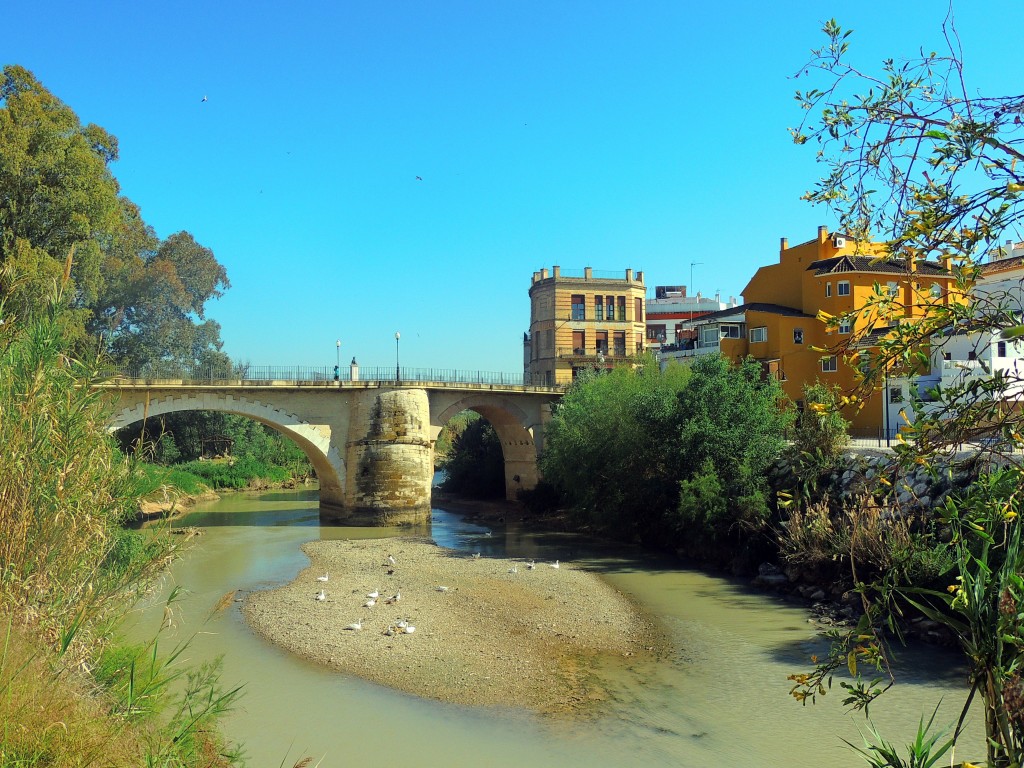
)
(920, 158)
(86, 284)
(70, 692)
(471, 458)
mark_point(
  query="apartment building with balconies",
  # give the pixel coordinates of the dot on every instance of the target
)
(779, 322)
(582, 319)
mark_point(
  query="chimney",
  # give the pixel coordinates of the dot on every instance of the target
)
(588, 273)
(640, 276)
(783, 244)
(822, 234)
(629, 275)
(544, 274)
(556, 271)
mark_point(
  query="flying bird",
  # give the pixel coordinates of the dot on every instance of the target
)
(204, 99)
(419, 178)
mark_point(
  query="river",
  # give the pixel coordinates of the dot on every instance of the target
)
(721, 698)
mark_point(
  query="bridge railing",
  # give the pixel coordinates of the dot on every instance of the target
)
(308, 374)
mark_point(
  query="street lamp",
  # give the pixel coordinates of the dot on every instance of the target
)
(398, 370)
(337, 364)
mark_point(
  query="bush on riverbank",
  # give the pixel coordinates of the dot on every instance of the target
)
(672, 458)
(67, 569)
(236, 474)
(474, 465)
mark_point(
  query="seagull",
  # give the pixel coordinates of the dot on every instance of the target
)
(419, 178)
(487, 532)
(391, 559)
(408, 629)
(394, 598)
(442, 589)
(369, 603)
(555, 564)
(321, 597)
(513, 569)
(204, 99)
(401, 623)
(322, 578)
(390, 631)
(532, 564)
(476, 555)
(373, 595)
(355, 626)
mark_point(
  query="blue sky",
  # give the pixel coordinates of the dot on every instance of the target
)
(646, 135)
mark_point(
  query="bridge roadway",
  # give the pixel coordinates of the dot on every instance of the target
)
(370, 442)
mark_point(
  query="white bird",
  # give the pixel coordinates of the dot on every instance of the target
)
(355, 626)
(487, 533)
(394, 598)
(409, 629)
(390, 631)
(532, 564)
(391, 559)
(204, 99)
(476, 555)
(513, 569)
(442, 589)
(321, 596)
(555, 564)
(401, 623)
(373, 595)
(322, 578)
(369, 603)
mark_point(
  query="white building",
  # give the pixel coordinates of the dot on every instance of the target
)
(669, 314)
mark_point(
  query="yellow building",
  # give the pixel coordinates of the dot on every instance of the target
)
(582, 321)
(778, 322)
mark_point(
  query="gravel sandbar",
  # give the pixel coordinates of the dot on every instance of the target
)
(494, 637)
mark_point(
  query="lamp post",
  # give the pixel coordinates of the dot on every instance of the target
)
(398, 370)
(337, 364)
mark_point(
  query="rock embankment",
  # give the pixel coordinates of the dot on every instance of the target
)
(488, 631)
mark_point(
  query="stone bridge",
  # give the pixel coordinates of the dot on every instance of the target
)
(370, 442)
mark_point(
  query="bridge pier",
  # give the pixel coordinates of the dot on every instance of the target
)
(389, 459)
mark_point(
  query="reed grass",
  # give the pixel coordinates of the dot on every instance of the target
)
(70, 695)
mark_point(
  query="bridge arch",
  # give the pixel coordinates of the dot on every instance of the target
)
(313, 439)
(515, 427)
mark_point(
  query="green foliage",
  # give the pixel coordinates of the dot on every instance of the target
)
(924, 752)
(611, 448)
(236, 474)
(154, 479)
(475, 465)
(450, 431)
(69, 567)
(917, 157)
(141, 299)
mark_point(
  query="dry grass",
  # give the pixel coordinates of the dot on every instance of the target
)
(50, 716)
(862, 532)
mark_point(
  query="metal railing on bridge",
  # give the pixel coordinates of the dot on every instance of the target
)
(324, 374)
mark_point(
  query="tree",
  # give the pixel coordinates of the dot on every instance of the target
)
(58, 199)
(475, 465)
(60, 210)
(612, 448)
(918, 157)
(732, 424)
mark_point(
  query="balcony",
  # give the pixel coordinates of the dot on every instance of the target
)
(613, 352)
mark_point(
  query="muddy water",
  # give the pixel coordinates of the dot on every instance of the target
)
(719, 698)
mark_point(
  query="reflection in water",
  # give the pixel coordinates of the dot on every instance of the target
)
(720, 697)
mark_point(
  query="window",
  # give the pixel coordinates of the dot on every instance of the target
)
(619, 340)
(1000, 349)
(947, 355)
(828, 290)
(936, 291)
(579, 343)
(758, 335)
(972, 355)
(622, 308)
(638, 310)
(843, 288)
(599, 307)
(609, 302)
(895, 394)
(730, 331)
(579, 308)
(798, 335)
(602, 342)
(844, 325)
(893, 288)
(709, 336)
(828, 364)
